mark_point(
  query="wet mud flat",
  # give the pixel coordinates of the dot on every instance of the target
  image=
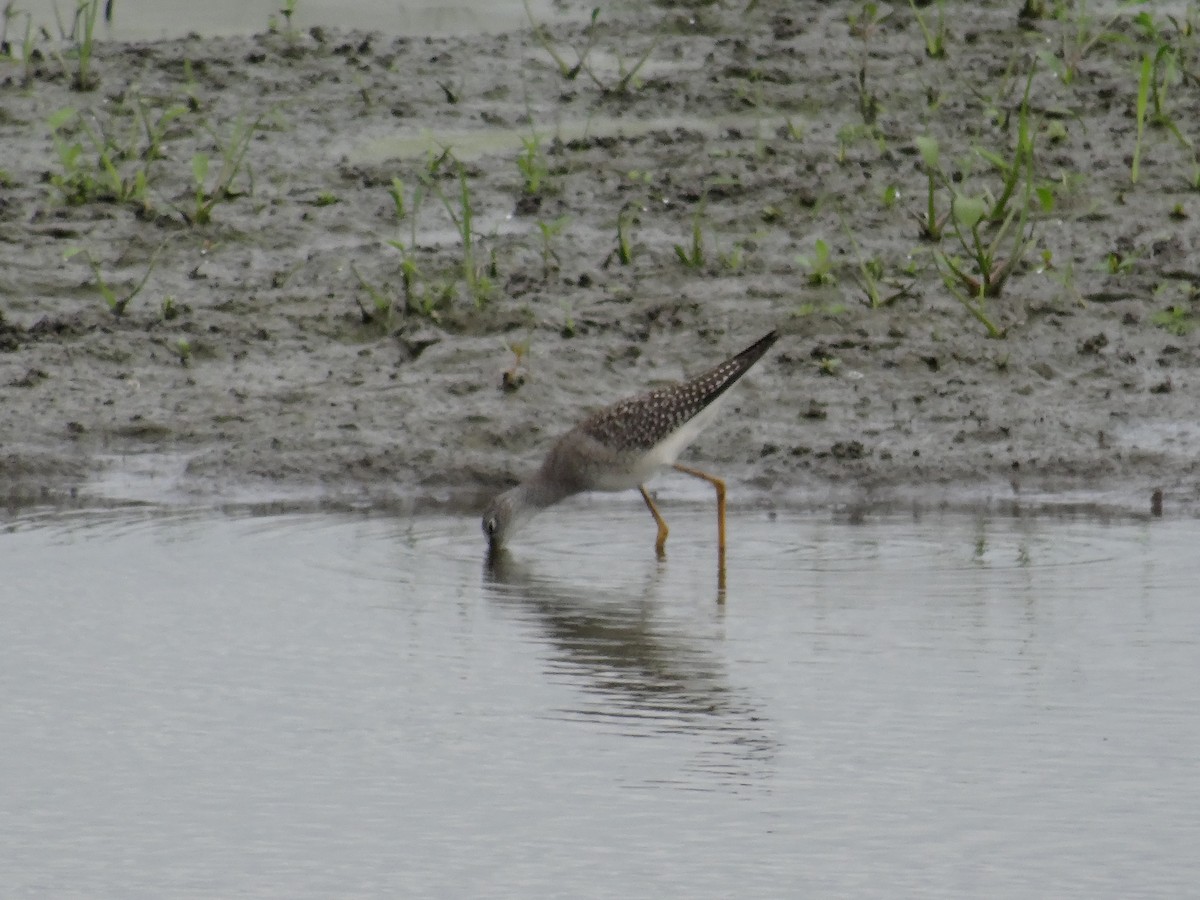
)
(365, 267)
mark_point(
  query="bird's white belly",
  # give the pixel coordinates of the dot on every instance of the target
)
(658, 457)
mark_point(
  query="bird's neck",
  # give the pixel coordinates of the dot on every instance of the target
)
(542, 489)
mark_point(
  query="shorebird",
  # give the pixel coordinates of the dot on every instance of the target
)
(622, 446)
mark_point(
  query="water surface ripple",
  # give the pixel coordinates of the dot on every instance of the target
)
(196, 703)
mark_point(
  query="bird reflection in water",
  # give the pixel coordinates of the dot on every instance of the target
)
(639, 671)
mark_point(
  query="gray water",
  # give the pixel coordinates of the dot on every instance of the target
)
(137, 20)
(207, 704)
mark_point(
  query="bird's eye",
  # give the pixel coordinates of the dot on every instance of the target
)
(489, 525)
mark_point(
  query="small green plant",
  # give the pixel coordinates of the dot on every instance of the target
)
(1088, 30)
(991, 269)
(569, 328)
(624, 249)
(1158, 72)
(1177, 319)
(972, 289)
(864, 23)
(396, 192)
(1056, 132)
(871, 276)
(935, 40)
(975, 305)
(819, 264)
(381, 312)
(1143, 96)
(1020, 163)
(183, 347)
(208, 194)
(116, 305)
(627, 74)
(75, 182)
(156, 124)
(542, 35)
(1065, 276)
(288, 11)
(477, 278)
(191, 88)
(1165, 75)
(83, 30)
(829, 365)
(1118, 263)
(992, 232)
(932, 224)
(1192, 178)
(855, 133)
(108, 169)
(419, 299)
(1032, 10)
(514, 376)
(7, 15)
(733, 259)
(693, 256)
(531, 162)
(548, 232)
(808, 308)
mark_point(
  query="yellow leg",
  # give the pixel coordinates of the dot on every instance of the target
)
(720, 486)
(660, 545)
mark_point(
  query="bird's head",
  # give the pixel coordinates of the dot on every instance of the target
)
(501, 518)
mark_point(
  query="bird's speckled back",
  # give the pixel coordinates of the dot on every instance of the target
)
(642, 422)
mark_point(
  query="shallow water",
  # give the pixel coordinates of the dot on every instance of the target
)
(138, 20)
(196, 703)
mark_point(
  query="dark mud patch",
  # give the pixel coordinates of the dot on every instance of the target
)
(282, 348)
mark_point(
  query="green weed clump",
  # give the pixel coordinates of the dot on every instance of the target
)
(627, 74)
(819, 264)
(476, 278)
(420, 299)
(993, 229)
(381, 300)
(624, 250)
(549, 231)
(116, 304)
(1181, 316)
(84, 179)
(932, 223)
(864, 23)
(1178, 319)
(101, 161)
(83, 31)
(1082, 31)
(872, 276)
(935, 38)
(288, 11)
(208, 193)
(430, 294)
(531, 163)
(692, 255)
(7, 15)
(1158, 73)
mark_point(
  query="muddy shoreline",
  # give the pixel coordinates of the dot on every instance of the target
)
(258, 361)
